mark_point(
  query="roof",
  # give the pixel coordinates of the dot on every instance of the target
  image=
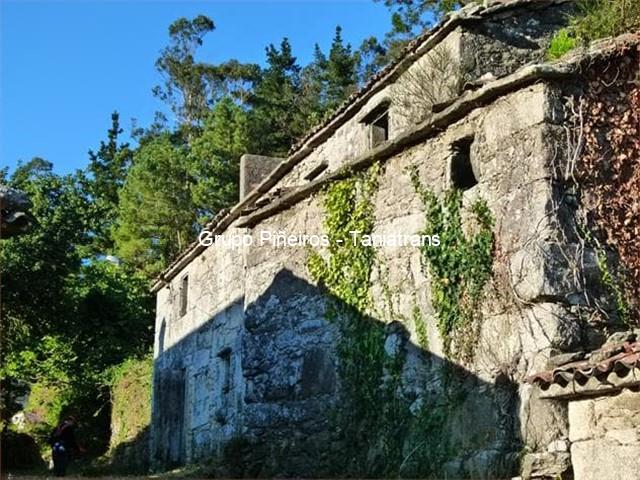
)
(607, 370)
(416, 48)
(352, 105)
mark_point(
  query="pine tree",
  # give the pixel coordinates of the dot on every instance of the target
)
(214, 158)
(314, 87)
(157, 215)
(107, 170)
(340, 71)
(277, 117)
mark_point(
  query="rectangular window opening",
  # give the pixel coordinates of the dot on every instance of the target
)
(462, 175)
(184, 292)
(225, 356)
(378, 122)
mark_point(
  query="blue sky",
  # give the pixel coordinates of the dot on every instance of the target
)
(66, 65)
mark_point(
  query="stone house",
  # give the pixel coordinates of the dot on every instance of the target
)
(254, 368)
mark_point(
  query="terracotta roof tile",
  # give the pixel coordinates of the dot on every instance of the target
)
(610, 368)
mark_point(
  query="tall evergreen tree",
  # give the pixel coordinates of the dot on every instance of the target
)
(278, 119)
(108, 167)
(157, 215)
(185, 88)
(314, 87)
(214, 158)
(340, 71)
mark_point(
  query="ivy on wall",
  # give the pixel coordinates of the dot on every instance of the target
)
(372, 413)
(380, 432)
(459, 268)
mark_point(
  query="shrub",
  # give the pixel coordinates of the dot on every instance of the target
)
(561, 43)
(605, 18)
(596, 19)
(130, 392)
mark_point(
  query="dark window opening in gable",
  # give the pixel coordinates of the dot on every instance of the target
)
(462, 176)
(225, 357)
(184, 292)
(378, 122)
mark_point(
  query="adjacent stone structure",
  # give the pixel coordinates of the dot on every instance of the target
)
(247, 358)
(601, 389)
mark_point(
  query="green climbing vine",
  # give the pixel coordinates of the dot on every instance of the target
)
(420, 325)
(613, 281)
(348, 208)
(615, 286)
(459, 268)
(381, 429)
(373, 412)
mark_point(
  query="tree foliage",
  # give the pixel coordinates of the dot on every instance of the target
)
(66, 317)
(157, 215)
(408, 19)
(213, 161)
(107, 171)
(277, 116)
(184, 86)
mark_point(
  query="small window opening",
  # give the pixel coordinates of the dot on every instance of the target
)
(378, 121)
(225, 357)
(184, 292)
(462, 176)
(380, 130)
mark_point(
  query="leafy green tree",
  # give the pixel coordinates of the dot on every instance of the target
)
(214, 158)
(185, 88)
(370, 57)
(235, 80)
(35, 266)
(411, 17)
(66, 320)
(34, 279)
(157, 216)
(113, 312)
(108, 167)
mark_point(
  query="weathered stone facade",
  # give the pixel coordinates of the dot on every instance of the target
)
(605, 436)
(244, 345)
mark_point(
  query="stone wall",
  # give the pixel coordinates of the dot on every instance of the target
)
(261, 303)
(503, 43)
(256, 357)
(195, 410)
(605, 436)
(289, 361)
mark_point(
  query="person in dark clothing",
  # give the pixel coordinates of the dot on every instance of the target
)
(63, 445)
